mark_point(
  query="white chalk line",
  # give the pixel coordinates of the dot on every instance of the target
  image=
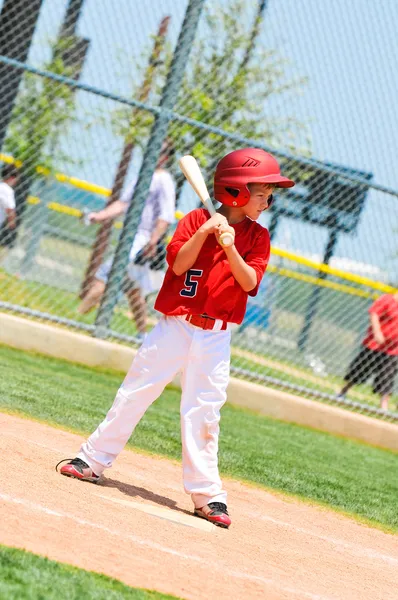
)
(373, 554)
(11, 435)
(160, 512)
(153, 545)
(137, 475)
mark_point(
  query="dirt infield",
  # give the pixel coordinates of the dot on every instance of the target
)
(136, 526)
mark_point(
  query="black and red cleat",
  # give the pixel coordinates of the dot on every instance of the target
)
(215, 512)
(78, 469)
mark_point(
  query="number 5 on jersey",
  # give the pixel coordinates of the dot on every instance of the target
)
(191, 283)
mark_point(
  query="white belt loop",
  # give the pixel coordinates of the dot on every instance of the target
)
(217, 325)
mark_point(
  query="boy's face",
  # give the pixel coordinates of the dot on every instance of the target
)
(260, 195)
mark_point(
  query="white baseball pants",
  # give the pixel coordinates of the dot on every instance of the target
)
(203, 357)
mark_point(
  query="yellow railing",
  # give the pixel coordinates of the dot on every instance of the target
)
(74, 181)
(340, 287)
(376, 285)
(76, 212)
(296, 258)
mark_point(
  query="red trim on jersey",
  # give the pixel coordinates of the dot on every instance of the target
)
(209, 286)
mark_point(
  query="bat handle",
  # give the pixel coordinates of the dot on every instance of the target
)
(210, 206)
(226, 239)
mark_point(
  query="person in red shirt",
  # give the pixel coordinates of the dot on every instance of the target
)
(205, 290)
(379, 355)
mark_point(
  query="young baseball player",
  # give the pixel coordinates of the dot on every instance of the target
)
(205, 290)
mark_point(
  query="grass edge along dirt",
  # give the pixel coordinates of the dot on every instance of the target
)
(28, 576)
(345, 475)
(362, 393)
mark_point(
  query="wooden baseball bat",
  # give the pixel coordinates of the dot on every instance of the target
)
(193, 174)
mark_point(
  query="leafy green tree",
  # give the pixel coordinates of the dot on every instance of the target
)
(232, 82)
(44, 111)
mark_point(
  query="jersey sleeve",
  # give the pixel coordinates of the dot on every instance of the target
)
(7, 200)
(167, 197)
(378, 306)
(186, 228)
(258, 257)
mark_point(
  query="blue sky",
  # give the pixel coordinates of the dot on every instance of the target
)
(348, 51)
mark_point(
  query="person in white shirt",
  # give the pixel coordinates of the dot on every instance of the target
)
(8, 216)
(157, 215)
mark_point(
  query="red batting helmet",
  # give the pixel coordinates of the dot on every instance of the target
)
(238, 168)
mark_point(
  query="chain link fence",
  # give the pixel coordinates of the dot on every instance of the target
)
(85, 114)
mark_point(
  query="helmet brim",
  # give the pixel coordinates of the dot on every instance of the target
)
(274, 178)
(278, 180)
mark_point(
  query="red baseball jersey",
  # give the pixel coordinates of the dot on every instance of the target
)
(386, 308)
(209, 286)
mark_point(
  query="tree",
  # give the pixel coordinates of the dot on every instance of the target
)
(130, 135)
(44, 110)
(226, 88)
(230, 83)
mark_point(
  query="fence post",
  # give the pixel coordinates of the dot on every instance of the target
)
(150, 159)
(104, 233)
(314, 298)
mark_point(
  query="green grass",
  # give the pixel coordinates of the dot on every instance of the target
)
(327, 385)
(58, 302)
(61, 303)
(26, 576)
(55, 301)
(252, 365)
(338, 472)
